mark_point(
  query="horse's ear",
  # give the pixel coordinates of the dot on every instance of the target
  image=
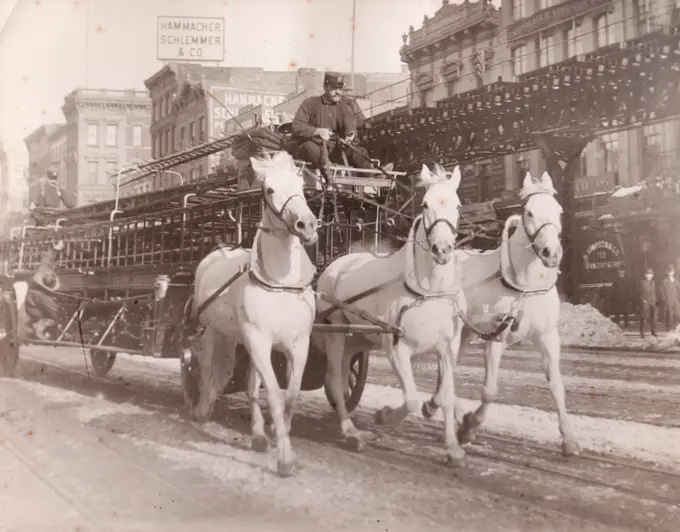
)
(455, 177)
(546, 182)
(528, 180)
(425, 173)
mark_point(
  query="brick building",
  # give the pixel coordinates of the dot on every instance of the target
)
(184, 115)
(105, 130)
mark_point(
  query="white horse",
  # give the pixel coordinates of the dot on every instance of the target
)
(418, 289)
(511, 295)
(265, 301)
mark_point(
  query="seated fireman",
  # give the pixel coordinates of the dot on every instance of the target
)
(327, 118)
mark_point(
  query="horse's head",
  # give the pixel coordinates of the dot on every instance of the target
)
(440, 211)
(542, 219)
(284, 198)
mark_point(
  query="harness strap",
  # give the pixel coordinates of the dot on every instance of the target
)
(326, 314)
(219, 292)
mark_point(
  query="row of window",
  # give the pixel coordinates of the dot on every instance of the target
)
(645, 9)
(163, 106)
(95, 177)
(111, 137)
(654, 147)
(574, 41)
(166, 142)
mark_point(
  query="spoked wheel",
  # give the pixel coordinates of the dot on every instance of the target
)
(9, 343)
(189, 368)
(358, 373)
(102, 361)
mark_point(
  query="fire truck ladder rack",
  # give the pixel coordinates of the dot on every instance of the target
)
(211, 188)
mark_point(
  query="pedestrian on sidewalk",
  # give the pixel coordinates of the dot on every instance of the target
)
(619, 298)
(670, 298)
(648, 303)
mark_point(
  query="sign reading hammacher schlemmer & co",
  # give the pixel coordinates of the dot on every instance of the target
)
(190, 39)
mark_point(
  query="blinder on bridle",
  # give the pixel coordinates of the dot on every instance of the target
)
(279, 213)
(532, 237)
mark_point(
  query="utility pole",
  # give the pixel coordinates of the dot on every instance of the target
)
(87, 41)
(354, 14)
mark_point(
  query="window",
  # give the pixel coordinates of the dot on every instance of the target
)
(172, 139)
(646, 13)
(92, 172)
(546, 50)
(136, 135)
(201, 129)
(519, 60)
(161, 138)
(574, 41)
(606, 31)
(191, 134)
(452, 88)
(610, 152)
(111, 172)
(181, 138)
(519, 9)
(154, 112)
(487, 181)
(651, 149)
(426, 98)
(111, 134)
(92, 135)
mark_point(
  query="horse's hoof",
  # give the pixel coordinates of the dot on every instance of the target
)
(355, 442)
(259, 443)
(428, 410)
(456, 458)
(382, 415)
(285, 469)
(465, 433)
(200, 415)
(570, 448)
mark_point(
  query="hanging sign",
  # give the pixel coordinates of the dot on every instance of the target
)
(190, 39)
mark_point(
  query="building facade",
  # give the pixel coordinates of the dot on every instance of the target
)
(455, 51)
(193, 104)
(543, 33)
(39, 156)
(105, 131)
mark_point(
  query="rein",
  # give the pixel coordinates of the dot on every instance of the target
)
(252, 273)
(514, 314)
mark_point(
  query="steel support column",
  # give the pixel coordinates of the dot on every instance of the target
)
(562, 155)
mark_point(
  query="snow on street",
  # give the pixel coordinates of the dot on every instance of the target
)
(119, 453)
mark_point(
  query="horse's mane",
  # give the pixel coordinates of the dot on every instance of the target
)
(281, 161)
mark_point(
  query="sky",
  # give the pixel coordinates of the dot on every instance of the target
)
(43, 52)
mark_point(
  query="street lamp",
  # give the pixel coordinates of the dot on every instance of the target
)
(181, 177)
(132, 164)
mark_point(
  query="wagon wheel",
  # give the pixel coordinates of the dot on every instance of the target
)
(190, 371)
(102, 361)
(358, 373)
(9, 343)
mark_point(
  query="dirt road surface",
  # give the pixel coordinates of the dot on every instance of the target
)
(119, 453)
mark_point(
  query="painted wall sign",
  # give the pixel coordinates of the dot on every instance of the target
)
(603, 255)
(235, 99)
(190, 39)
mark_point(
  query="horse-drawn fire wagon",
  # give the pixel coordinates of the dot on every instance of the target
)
(125, 268)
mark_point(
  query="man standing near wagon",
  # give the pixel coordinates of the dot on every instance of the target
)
(670, 298)
(330, 119)
(648, 302)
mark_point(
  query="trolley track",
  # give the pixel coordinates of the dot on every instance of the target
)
(660, 410)
(415, 448)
